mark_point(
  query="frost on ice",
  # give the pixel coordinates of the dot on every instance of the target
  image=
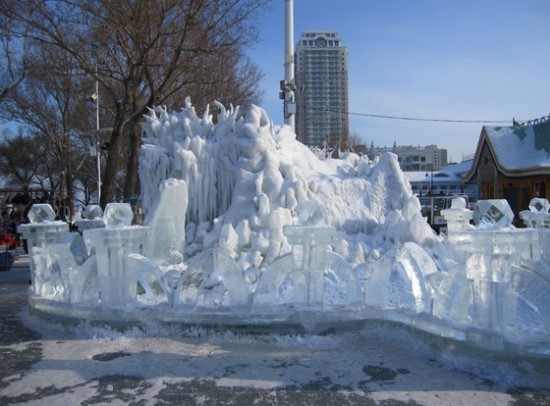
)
(244, 225)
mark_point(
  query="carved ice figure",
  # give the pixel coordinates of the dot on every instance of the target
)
(92, 212)
(492, 214)
(532, 316)
(41, 213)
(65, 272)
(398, 280)
(46, 277)
(67, 254)
(212, 280)
(452, 297)
(154, 288)
(166, 239)
(118, 215)
(113, 244)
(342, 287)
(539, 205)
(92, 217)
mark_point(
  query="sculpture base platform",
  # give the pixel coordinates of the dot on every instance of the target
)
(282, 320)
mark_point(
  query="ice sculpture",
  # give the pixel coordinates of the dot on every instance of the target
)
(486, 291)
(245, 227)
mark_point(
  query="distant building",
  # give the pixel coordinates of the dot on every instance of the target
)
(426, 158)
(445, 182)
(322, 90)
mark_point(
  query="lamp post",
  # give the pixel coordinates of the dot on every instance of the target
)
(287, 85)
(95, 98)
(430, 195)
(431, 184)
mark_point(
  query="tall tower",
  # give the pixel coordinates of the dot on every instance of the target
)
(322, 90)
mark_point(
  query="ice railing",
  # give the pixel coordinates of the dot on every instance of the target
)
(496, 292)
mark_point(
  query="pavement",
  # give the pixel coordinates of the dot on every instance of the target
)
(44, 364)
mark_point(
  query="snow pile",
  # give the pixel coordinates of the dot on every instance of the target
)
(246, 178)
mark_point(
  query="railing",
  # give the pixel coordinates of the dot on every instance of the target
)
(532, 122)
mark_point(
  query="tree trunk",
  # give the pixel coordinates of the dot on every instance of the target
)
(111, 166)
(131, 186)
(70, 194)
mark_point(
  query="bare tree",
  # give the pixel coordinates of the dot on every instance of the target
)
(12, 52)
(49, 101)
(18, 159)
(355, 139)
(142, 54)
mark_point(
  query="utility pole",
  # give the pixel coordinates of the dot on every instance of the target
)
(287, 85)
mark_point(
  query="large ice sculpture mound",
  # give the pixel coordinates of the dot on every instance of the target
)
(247, 228)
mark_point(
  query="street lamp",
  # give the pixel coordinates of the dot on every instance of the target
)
(431, 181)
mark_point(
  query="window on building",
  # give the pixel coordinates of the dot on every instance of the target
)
(540, 189)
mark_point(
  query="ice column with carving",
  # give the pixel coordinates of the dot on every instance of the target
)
(42, 231)
(489, 267)
(537, 217)
(309, 241)
(458, 217)
(113, 244)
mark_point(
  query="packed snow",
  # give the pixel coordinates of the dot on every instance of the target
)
(247, 177)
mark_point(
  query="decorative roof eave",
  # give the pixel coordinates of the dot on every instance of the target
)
(517, 173)
(483, 139)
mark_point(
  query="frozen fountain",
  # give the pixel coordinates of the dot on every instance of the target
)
(246, 228)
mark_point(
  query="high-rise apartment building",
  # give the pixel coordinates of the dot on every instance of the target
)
(322, 90)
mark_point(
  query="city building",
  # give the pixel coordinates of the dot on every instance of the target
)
(411, 158)
(321, 76)
(444, 182)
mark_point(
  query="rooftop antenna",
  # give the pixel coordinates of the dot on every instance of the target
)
(287, 85)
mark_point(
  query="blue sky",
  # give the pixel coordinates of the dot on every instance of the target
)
(481, 60)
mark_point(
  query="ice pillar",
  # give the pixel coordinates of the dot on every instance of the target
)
(537, 217)
(113, 244)
(458, 217)
(309, 259)
(39, 233)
